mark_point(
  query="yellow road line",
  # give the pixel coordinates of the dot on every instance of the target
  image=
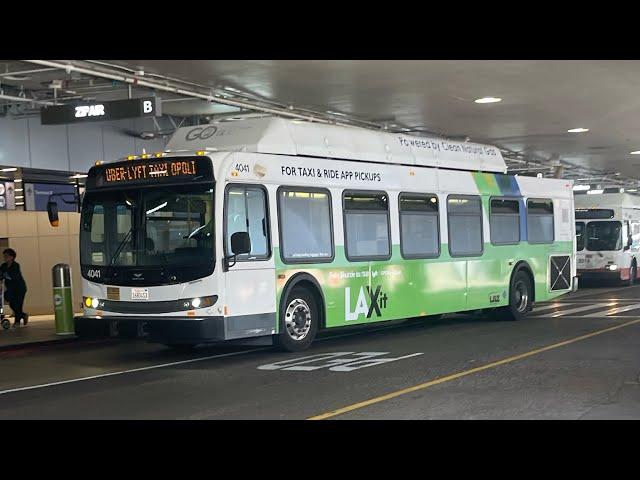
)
(422, 386)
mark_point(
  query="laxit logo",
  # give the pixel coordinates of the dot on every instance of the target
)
(376, 300)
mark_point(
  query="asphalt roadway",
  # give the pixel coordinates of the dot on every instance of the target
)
(576, 358)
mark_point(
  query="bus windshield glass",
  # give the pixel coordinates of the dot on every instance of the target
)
(154, 227)
(603, 236)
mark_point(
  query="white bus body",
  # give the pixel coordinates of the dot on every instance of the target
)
(608, 236)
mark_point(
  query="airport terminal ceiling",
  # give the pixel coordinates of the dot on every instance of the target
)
(541, 101)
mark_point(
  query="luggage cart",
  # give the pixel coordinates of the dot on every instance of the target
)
(6, 324)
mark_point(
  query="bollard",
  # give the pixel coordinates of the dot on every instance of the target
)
(62, 299)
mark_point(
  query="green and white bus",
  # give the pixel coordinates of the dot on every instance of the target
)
(272, 230)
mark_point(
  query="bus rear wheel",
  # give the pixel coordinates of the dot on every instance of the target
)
(299, 320)
(520, 298)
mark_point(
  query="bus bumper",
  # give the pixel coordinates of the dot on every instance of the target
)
(602, 274)
(175, 330)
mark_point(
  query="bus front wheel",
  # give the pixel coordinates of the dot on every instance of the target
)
(299, 320)
(520, 297)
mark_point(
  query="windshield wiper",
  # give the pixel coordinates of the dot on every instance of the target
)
(194, 232)
(120, 247)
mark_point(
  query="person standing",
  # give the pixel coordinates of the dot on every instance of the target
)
(16, 287)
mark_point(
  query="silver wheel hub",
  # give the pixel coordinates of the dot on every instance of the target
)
(297, 319)
(521, 297)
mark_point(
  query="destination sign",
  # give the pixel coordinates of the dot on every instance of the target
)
(141, 172)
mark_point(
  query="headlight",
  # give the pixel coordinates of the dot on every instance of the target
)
(612, 267)
(95, 302)
(203, 302)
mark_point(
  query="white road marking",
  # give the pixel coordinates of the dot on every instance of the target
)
(537, 309)
(613, 311)
(122, 372)
(583, 309)
(336, 361)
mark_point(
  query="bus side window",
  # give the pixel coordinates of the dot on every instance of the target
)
(246, 211)
(464, 213)
(419, 225)
(305, 225)
(366, 225)
(504, 221)
(540, 223)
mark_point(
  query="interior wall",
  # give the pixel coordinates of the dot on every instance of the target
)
(39, 247)
(25, 142)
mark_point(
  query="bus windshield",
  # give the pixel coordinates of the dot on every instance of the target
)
(602, 236)
(154, 227)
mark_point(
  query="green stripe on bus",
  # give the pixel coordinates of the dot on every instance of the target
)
(409, 288)
(487, 183)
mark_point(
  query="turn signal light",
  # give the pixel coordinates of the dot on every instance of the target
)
(91, 302)
(131, 157)
(200, 152)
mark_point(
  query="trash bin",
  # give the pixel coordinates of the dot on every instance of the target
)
(62, 299)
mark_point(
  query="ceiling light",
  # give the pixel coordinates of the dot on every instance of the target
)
(581, 188)
(488, 100)
(578, 130)
(635, 152)
(12, 169)
(18, 180)
(595, 192)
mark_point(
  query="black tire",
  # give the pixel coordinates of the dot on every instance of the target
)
(633, 273)
(520, 298)
(299, 316)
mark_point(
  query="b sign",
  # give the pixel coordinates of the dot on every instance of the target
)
(91, 112)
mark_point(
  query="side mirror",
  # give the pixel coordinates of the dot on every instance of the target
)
(52, 212)
(240, 243)
(629, 244)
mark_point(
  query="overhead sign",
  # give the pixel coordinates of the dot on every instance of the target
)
(147, 172)
(7, 196)
(36, 196)
(98, 111)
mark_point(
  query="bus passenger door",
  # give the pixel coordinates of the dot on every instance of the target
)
(250, 296)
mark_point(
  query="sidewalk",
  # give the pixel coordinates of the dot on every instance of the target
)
(40, 330)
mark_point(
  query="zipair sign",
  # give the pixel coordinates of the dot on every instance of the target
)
(100, 111)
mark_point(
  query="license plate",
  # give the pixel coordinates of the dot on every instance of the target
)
(139, 294)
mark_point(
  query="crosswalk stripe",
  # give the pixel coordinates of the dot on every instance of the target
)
(583, 309)
(537, 309)
(614, 311)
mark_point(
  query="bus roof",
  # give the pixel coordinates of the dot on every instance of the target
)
(292, 137)
(611, 200)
